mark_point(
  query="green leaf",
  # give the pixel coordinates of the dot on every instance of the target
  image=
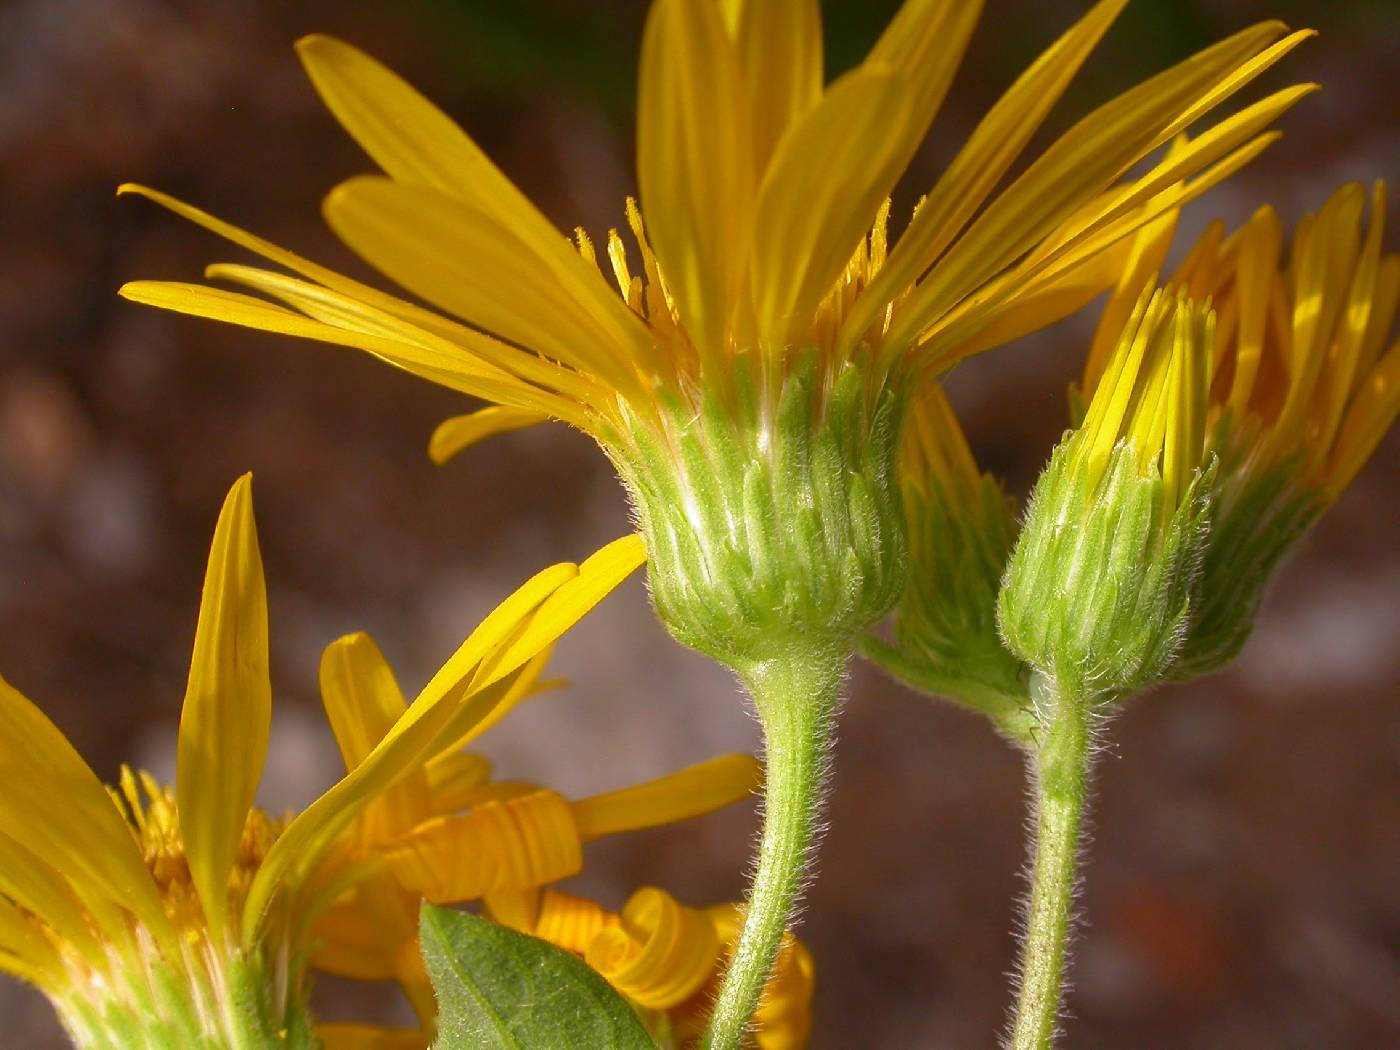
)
(501, 990)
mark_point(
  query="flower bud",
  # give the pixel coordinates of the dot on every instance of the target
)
(961, 529)
(1099, 589)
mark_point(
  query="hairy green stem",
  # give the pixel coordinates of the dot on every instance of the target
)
(796, 697)
(1059, 769)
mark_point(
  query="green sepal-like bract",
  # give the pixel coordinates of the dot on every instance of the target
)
(945, 632)
(772, 527)
(155, 1006)
(1256, 521)
(1102, 583)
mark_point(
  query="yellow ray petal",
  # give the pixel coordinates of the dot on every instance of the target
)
(446, 702)
(361, 696)
(687, 793)
(420, 146)
(363, 293)
(829, 176)
(597, 576)
(947, 341)
(460, 432)
(1083, 161)
(1372, 412)
(56, 808)
(362, 702)
(466, 260)
(227, 714)
(470, 352)
(1260, 246)
(410, 138)
(42, 891)
(1345, 350)
(25, 952)
(693, 166)
(660, 954)
(249, 312)
(924, 45)
(981, 163)
(779, 51)
(452, 778)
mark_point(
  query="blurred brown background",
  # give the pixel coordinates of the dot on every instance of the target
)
(1241, 884)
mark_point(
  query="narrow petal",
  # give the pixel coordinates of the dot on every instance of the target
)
(227, 715)
(471, 352)
(42, 891)
(828, 178)
(219, 305)
(779, 48)
(410, 138)
(25, 952)
(465, 260)
(980, 164)
(597, 576)
(361, 696)
(448, 702)
(924, 44)
(693, 165)
(56, 808)
(1079, 165)
(1373, 410)
(460, 432)
(363, 701)
(687, 793)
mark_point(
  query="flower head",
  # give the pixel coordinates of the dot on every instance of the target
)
(961, 531)
(762, 280)
(450, 834)
(1306, 383)
(1099, 588)
(187, 911)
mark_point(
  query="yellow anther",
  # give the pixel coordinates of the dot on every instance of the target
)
(660, 954)
(514, 844)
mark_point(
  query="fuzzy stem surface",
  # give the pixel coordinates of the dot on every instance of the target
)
(796, 696)
(1059, 769)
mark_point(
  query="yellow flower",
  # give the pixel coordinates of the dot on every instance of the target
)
(761, 271)
(1303, 387)
(183, 914)
(448, 833)
(758, 188)
(1302, 377)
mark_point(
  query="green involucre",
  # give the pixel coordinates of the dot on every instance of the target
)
(1256, 521)
(772, 522)
(1104, 579)
(945, 634)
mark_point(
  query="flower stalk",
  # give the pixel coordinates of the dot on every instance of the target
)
(796, 694)
(1059, 773)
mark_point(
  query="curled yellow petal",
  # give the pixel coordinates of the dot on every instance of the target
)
(517, 844)
(660, 954)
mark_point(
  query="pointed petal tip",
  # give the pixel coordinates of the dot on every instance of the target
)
(312, 42)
